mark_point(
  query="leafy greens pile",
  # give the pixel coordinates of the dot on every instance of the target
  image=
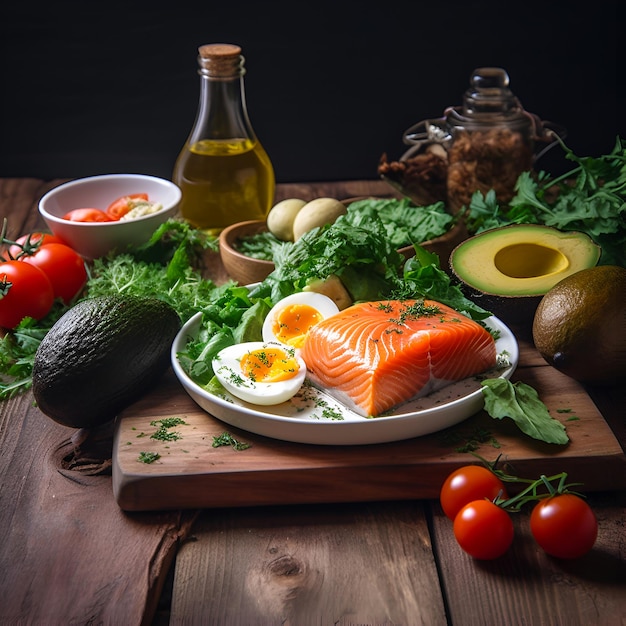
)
(404, 223)
(590, 198)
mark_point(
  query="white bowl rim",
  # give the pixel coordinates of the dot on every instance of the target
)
(78, 182)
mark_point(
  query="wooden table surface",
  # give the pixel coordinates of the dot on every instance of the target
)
(70, 555)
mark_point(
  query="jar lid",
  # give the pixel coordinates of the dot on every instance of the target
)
(489, 93)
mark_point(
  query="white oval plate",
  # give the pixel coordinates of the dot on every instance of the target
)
(313, 416)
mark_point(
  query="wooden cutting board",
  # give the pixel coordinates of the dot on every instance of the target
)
(191, 473)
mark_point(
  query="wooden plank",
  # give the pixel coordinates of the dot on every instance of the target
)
(191, 473)
(67, 552)
(309, 565)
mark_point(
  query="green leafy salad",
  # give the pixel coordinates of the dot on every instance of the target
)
(404, 223)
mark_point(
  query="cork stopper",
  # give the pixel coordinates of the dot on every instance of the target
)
(220, 60)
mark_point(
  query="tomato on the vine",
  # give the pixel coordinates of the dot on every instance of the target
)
(466, 484)
(34, 239)
(87, 215)
(122, 205)
(64, 267)
(483, 530)
(564, 526)
(25, 291)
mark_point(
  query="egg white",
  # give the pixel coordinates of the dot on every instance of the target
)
(227, 368)
(324, 306)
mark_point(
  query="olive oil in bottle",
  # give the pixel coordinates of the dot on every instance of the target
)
(223, 170)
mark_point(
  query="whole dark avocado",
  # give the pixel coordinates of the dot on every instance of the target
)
(102, 355)
(580, 325)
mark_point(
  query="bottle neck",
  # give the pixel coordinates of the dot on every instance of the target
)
(222, 111)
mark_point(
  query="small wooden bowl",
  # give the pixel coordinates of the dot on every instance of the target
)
(246, 270)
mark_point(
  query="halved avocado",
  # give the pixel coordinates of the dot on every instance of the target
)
(509, 269)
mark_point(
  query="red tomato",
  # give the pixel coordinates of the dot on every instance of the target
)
(64, 267)
(118, 208)
(466, 484)
(25, 291)
(87, 215)
(564, 526)
(483, 530)
(31, 240)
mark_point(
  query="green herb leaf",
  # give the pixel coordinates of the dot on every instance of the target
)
(521, 403)
(590, 198)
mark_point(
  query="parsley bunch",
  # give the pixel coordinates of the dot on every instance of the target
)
(590, 198)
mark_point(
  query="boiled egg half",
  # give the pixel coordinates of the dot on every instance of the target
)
(290, 319)
(260, 372)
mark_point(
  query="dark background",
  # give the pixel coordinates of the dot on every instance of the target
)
(93, 88)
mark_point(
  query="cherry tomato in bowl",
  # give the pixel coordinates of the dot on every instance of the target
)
(87, 215)
(124, 204)
(564, 526)
(466, 484)
(25, 291)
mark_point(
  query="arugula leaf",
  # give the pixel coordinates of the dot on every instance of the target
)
(404, 222)
(17, 352)
(521, 403)
(424, 278)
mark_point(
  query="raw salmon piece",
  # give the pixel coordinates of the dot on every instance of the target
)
(374, 356)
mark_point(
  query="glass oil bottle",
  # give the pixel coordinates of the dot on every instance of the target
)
(223, 170)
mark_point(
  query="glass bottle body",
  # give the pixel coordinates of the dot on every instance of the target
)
(224, 172)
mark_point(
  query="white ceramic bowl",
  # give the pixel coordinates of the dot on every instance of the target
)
(96, 239)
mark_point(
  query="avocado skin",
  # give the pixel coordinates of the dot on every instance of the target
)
(100, 356)
(580, 326)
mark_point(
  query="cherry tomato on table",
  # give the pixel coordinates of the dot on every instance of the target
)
(466, 484)
(64, 267)
(87, 215)
(25, 291)
(31, 240)
(483, 530)
(564, 526)
(118, 208)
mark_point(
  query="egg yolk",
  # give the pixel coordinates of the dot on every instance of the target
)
(292, 323)
(269, 365)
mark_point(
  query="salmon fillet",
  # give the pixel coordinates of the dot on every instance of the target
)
(374, 356)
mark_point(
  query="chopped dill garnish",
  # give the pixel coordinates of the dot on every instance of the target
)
(163, 432)
(149, 457)
(332, 414)
(168, 422)
(226, 439)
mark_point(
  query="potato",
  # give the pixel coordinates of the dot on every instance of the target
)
(333, 288)
(281, 216)
(317, 213)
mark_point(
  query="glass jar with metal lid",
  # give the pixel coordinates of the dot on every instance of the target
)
(489, 140)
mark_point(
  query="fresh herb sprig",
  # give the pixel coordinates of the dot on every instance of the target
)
(589, 198)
